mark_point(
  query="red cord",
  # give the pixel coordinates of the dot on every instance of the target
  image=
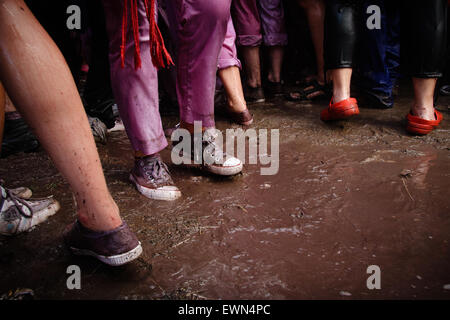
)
(160, 56)
(124, 30)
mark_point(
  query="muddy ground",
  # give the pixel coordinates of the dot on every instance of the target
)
(347, 195)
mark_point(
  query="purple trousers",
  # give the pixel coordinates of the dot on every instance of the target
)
(135, 91)
(202, 47)
(250, 16)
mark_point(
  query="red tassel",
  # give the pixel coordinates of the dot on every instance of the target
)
(135, 23)
(124, 31)
(160, 56)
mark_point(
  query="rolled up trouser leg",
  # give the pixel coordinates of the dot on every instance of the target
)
(272, 22)
(340, 34)
(247, 22)
(424, 31)
(228, 53)
(136, 91)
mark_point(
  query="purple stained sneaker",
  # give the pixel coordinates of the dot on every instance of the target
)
(152, 178)
(114, 247)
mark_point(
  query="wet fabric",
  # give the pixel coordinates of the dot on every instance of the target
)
(379, 58)
(258, 22)
(200, 29)
(136, 91)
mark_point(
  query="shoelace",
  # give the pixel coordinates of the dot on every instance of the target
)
(19, 203)
(156, 169)
(214, 150)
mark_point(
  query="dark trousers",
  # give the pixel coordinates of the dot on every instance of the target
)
(423, 35)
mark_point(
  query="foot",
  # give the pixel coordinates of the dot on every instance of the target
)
(421, 126)
(18, 215)
(424, 113)
(254, 94)
(274, 89)
(98, 129)
(313, 91)
(211, 157)
(340, 110)
(244, 118)
(114, 247)
(152, 178)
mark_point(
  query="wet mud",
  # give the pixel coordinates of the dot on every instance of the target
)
(347, 195)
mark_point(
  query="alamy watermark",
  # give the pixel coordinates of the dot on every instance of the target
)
(190, 150)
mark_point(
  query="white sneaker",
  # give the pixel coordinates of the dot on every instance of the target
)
(211, 157)
(18, 215)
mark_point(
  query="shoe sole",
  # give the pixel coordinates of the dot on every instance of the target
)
(165, 195)
(256, 101)
(341, 114)
(224, 171)
(220, 171)
(114, 261)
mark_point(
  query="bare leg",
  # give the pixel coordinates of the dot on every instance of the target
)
(42, 88)
(423, 98)
(341, 83)
(276, 61)
(252, 65)
(231, 79)
(9, 106)
(315, 13)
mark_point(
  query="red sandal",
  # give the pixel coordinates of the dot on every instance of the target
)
(417, 125)
(340, 110)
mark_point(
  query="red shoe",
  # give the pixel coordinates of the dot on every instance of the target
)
(340, 110)
(417, 125)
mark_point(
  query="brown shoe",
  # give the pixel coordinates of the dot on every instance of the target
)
(114, 247)
(244, 118)
(152, 178)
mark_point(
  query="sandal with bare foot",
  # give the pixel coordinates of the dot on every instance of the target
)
(313, 91)
(420, 126)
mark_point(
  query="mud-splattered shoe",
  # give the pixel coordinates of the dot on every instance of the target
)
(22, 192)
(152, 178)
(114, 247)
(18, 214)
(210, 156)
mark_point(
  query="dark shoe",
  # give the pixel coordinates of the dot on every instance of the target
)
(114, 247)
(274, 89)
(17, 138)
(445, 90)
(254, 95)
(377, 100)
(152, 178)
(244, 118)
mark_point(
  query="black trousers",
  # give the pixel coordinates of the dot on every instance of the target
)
(423, 35)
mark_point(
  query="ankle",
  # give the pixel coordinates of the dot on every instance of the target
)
(339, 96)
(273, 78)
(101, 218)
(424, 112)
(140, 155)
